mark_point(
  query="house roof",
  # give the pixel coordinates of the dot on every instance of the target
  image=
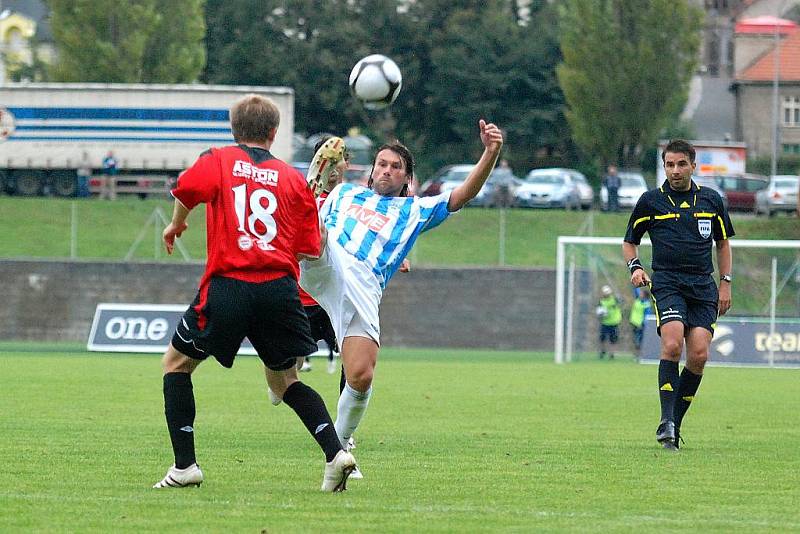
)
(766, 25)
(763, 69)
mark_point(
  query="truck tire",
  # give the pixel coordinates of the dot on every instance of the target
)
(28, 183)
(65, 184)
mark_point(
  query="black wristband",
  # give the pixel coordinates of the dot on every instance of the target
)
(635, 265)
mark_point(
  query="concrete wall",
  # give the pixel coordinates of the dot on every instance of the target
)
(487, 308)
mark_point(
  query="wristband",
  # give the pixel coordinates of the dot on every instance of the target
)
(635, 265)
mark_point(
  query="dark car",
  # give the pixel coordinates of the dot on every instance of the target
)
(741, 190)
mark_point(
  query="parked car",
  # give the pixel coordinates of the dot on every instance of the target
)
(548, 188)
(585, 191)
(741, 190)
(452, 175)
(780, 195)
(498, 190)
(632, 186)
(711, 183)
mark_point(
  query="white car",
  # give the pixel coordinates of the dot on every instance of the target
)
(548, 188)
(632, 186)
(780, 195)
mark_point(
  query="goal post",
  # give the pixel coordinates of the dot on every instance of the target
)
(766, 299)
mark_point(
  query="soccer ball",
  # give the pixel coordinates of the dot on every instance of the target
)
(376, 81)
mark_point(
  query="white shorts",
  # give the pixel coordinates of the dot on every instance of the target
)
(347, 290)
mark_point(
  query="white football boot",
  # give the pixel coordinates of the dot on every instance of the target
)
(337, 471)
(181, 478)
(356, 474)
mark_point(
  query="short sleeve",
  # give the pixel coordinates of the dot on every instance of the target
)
(723, 227)
(200, 182)
(307, 239)
(433, 210)
(639, 221)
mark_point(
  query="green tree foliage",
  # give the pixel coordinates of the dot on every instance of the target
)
(461, 60)
(128, 41)
(626, 71)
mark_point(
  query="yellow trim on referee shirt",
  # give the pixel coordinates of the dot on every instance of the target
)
(705, 214)
(655, 305)
(668, 216)
(722, 227)
(640, 219)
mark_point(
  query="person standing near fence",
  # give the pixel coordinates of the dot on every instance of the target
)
(683, 220)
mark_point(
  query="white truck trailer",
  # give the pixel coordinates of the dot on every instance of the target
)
(46, 128)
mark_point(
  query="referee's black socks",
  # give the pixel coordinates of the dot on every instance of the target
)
(687, 389)
(179, 411)
(310, 408)
(667, 386)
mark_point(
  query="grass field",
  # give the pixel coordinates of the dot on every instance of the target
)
(41, 227)
(454, 441)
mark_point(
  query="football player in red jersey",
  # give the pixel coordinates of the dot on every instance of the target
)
(260, 219)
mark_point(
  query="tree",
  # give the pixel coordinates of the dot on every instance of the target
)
(488, 65)
(128, 41)
(626, 71)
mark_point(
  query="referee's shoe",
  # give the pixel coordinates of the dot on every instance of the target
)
(666, 435)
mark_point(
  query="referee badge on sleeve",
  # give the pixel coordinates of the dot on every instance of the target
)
(704, 226)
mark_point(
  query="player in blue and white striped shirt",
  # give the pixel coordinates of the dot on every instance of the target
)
(370, 230)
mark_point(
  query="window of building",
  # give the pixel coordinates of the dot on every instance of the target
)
(791, 111)
(791, 149)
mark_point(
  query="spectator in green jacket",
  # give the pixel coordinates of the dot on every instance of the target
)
(639, 310)
(610, 315)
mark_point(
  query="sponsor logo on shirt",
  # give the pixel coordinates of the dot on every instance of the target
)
(245, 243)
(372, 219)
(704, 226)
(243, 169)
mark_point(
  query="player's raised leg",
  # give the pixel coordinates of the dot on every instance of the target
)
(324, 162)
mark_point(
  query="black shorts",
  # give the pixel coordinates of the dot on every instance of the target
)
(269, 314)
(321, 328)
(609, 332)
(690, 298)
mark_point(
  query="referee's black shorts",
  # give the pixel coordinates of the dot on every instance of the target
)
(690, 298)
(269, 314)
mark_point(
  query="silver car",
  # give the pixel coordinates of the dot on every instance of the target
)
(632, 186)
(780, 195)
(548, 188)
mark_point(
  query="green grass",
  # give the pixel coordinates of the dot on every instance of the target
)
(454, 441)
(41, 228)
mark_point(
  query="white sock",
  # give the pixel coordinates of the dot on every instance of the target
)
(351, 408)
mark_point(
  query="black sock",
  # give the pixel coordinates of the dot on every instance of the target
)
(342, 381)
(687, 389)
(179, 411)
(310, 408)
(667, 384)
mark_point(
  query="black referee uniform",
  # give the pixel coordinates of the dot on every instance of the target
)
(682, 226)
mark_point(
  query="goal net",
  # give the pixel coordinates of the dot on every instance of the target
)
(762, 327)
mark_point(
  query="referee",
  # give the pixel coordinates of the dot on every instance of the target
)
(682, 219)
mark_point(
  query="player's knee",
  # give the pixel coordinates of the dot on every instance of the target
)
(696, 360)
(360, 379)
(174, 361)
(671, 348)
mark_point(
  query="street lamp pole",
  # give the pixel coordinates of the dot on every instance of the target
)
(775, 102)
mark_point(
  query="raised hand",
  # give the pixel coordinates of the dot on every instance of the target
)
(491, 136)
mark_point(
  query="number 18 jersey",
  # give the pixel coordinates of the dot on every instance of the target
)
(260, 213)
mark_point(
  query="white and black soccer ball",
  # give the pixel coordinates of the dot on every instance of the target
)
(376, 81)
